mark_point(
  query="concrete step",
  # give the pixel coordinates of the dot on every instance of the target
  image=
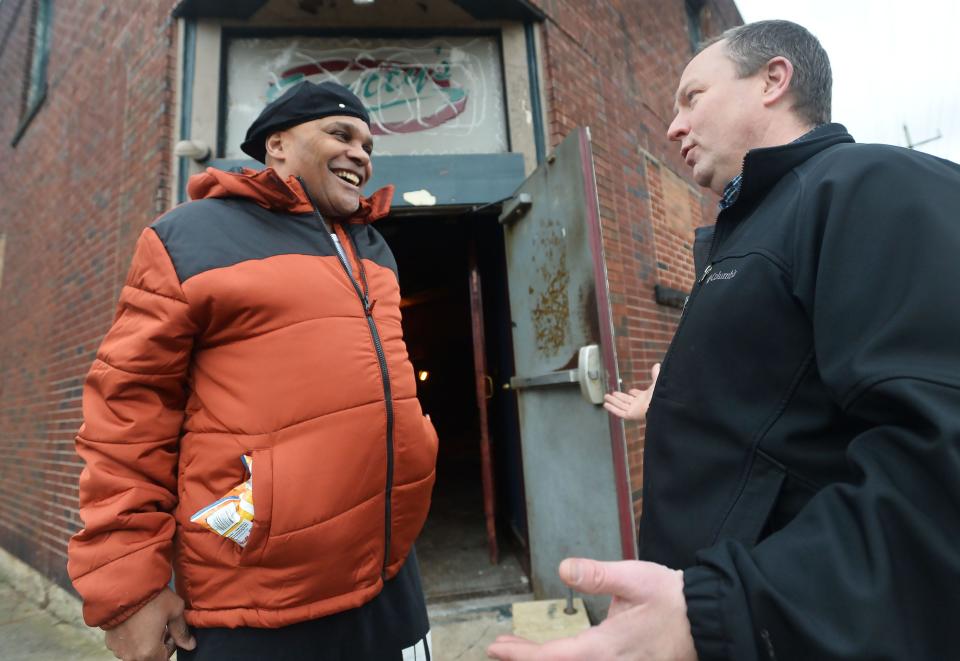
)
(462, 629)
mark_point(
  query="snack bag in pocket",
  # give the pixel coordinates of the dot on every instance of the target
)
(232, 515)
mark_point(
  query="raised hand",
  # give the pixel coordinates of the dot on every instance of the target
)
(633, 404)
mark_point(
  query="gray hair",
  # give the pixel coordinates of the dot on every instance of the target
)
(752, 45)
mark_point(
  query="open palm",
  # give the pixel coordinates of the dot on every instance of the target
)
(633, 404)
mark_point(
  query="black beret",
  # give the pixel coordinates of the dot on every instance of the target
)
(301, 103)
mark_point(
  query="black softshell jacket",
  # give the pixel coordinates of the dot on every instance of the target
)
(802, 459)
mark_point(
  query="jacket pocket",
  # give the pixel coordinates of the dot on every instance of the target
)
(253, 551)
(433, 439)
(747, 518)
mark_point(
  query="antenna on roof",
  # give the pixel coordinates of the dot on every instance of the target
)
(911, 145)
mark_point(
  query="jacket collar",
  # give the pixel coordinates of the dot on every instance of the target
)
(764, 167)
(266, 189)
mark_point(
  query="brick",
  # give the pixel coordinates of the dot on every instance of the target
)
(79, 185)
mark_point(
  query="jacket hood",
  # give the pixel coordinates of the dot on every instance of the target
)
(268, 190)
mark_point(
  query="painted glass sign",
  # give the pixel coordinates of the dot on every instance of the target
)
(426, 96)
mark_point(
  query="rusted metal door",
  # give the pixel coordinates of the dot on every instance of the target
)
(574, 453)
(484, 389)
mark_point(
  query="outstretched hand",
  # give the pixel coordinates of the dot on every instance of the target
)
(633, 404)
(647, 620)
(154, 632)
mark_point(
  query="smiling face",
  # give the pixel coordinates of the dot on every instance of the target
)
(719, 117)
(331, 155)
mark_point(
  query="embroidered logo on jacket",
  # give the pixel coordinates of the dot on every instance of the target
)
(721, 275)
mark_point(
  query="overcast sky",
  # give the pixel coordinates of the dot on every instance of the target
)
(894, 62)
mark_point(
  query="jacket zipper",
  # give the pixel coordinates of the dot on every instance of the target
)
(364, 296)
(388, 401)
(693, 295)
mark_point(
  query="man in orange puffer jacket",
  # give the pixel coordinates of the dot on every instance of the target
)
(260, 320)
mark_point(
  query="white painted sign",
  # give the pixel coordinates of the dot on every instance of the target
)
(442, 95)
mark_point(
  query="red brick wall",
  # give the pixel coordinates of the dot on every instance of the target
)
(614, 66)
(90, 170)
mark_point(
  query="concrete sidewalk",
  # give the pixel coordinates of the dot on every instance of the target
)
(40, 621)
(461, 630)
(31, 633)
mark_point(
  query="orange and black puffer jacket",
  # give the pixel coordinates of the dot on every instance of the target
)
(240, 330)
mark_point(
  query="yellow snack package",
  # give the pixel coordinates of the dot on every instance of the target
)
(232, 515)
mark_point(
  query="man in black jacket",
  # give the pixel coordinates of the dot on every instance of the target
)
(802, 461)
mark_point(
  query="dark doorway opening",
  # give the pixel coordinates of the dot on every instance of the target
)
(435, 256)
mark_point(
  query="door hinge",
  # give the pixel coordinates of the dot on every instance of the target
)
(515, 208)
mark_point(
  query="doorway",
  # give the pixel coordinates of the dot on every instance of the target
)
(475, 541)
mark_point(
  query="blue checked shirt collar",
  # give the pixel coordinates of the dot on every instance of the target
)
(731, 192)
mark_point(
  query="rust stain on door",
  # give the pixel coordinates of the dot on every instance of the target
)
(551, 309)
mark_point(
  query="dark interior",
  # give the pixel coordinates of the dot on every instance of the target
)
(433, 256)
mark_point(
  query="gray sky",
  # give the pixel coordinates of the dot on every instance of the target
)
(894, 63)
